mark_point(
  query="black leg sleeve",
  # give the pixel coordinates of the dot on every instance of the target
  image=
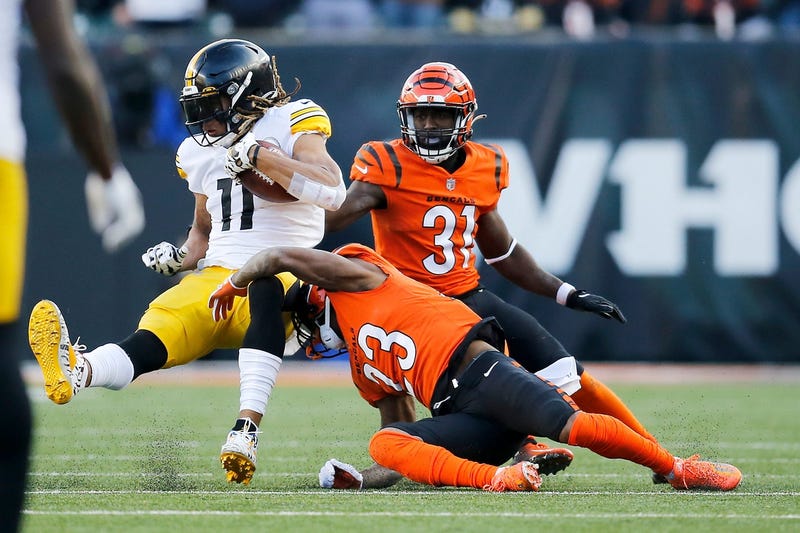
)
(266, 331)
(146, 352)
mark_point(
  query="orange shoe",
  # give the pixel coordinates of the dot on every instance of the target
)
(549, 460)
(693, 474)
(522, 476)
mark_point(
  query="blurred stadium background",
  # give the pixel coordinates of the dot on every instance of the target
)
(654, 148)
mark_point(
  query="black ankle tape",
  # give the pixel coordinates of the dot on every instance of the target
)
(240, 423)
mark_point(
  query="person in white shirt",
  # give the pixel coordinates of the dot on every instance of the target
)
(232, 97)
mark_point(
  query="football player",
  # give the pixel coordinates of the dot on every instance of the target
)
(407, 341)
(432, 195)
(114, 202)
(232, 97)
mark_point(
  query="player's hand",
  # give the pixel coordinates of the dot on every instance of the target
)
(338, 475)
(115, 208)
(238, 158)
(165, 258)
(585, 301)
(221, 300)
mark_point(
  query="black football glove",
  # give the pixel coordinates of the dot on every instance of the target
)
(585, 301)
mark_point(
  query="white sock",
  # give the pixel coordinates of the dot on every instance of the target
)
(258, 371)
(111, 367)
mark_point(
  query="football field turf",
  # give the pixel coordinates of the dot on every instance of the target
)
(146, 459)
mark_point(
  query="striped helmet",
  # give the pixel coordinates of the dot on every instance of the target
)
(442, 86)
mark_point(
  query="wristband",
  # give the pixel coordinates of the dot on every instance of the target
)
(563, 292)
(230, 280)
(254, 159)
(312, 192)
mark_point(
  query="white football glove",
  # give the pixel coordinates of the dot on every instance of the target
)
(115, 208)
(165, 258)
(338, 475)
(237, 159)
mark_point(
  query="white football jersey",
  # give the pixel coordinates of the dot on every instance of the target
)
(243, 224)
(12, 134)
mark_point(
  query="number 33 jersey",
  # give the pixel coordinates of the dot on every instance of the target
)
(395, 332)
(243, 224)
(428, 227)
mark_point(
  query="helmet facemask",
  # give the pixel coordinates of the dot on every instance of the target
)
(316, 328)
(199, 108)
(434, 145)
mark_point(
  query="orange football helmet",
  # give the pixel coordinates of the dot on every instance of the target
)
(315, 324)
(439, 85)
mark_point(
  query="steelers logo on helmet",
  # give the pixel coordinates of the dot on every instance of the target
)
(315, 324)
(442, 93)
(219, 81)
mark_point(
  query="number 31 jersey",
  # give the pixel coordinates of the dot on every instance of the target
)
(428, 227)
(243, 224)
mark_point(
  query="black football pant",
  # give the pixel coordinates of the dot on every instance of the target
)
(528, 341)
(494, 406)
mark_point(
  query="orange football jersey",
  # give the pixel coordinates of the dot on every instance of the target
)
(400, 335)
(428, 227)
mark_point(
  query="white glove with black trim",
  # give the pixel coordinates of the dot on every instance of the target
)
(165, 258)
(115, 207)
(338, 475)
(238, 159)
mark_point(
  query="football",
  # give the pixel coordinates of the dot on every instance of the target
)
(262, 187)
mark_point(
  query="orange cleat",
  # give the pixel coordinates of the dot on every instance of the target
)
(549, 460)
(693, 474)
(522, 476)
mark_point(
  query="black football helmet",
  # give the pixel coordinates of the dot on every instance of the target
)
(231, 68)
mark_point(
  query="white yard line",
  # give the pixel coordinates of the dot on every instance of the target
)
(421, 514)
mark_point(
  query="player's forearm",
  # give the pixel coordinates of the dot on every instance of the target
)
(75, 83)
(264, 263)
(197, 243)
(525, 272)
(281, 169)
(311, 189)
(274, 260)
(86, 112)
(353, 208)
(80, 96)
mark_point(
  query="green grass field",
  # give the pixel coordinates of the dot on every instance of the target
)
(145, 459)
